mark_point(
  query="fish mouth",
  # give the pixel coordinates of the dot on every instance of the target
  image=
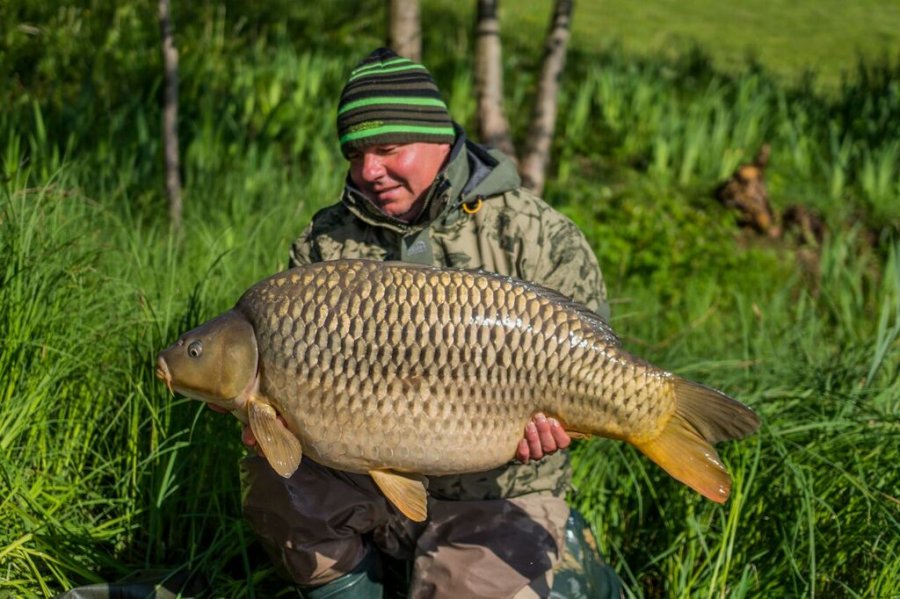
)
(162, 373)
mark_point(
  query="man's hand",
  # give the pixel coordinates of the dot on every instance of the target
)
(543, 436)
(247, 437)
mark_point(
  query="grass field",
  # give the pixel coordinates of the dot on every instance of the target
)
(790, 39)
(103, 474)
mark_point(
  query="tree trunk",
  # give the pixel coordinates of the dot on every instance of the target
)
(543, 120)
(170, 115)
(493, 128)
(405, 29)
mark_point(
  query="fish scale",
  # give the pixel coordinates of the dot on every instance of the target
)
(399, 370)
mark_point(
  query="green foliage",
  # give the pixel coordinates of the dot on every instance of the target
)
(814, 510)
(103, 473)
(685, 124)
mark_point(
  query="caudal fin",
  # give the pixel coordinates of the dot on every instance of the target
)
(703, 416)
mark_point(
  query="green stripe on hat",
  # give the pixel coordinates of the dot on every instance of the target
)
(394, 100)
(380, 65)
(400, 69)
(391, 99)
(355, 135)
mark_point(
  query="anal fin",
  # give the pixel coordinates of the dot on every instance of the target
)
(405, 491)
(281, 448)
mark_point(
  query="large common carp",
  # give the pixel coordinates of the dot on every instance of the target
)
(401, 371)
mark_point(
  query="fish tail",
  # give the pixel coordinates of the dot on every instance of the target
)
(703, 416)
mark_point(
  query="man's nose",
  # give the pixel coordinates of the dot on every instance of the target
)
(372, 167)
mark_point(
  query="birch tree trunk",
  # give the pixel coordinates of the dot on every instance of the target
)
(493, 127)
(170, 115)
(543, 121)
(405, 29)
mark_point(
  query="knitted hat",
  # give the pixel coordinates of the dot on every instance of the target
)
(389, 99)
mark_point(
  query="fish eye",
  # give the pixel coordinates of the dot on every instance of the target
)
(195, 349)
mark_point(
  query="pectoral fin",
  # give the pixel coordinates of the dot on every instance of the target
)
(278, 444)
(405, 491)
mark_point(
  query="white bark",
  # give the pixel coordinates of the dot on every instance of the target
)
(170, 115)
(493, 127)
(405, 29)
(543, 121)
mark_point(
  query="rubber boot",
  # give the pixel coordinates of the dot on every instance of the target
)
(363, 582)
(583, 574)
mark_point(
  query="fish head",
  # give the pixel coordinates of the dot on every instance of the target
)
(217, 362)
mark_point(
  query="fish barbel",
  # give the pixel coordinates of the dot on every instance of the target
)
(403, 371)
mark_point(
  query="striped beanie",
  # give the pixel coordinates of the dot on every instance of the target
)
(389, 99)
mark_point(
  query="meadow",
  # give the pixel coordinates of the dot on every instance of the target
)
(104, 474)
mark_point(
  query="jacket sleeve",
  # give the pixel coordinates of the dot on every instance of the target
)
(302, 250)
(556, 254)
(568, 264)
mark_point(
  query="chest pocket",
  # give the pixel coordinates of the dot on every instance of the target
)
(417, 248)
(483, 241)
(343, 244)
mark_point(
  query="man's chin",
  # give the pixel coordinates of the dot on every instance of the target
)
(397, 209)
(388, 198)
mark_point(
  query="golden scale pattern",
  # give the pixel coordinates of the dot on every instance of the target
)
(450, 364)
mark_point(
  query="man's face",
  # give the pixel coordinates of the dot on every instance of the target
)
(395, 176)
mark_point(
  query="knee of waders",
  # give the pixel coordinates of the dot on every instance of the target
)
(582, 573)
(363, 582)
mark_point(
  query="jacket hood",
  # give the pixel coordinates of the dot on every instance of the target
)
(472, 172)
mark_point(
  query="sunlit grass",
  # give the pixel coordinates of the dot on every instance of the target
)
(815, 491)
(788, 38)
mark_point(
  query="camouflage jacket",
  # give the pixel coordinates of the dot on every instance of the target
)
(476, 216)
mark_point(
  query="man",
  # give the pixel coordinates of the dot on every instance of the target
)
(419, 191)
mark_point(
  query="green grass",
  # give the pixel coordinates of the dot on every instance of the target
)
(826, 37)
(814, 512)
(102, 473)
